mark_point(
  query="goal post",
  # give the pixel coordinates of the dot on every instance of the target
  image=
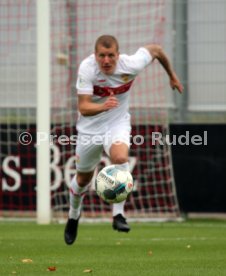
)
(43, 111)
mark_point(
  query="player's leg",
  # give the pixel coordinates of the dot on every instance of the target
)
(119, 156)
(78, 187)
(88, 156)
(77, 191)
(117, 147)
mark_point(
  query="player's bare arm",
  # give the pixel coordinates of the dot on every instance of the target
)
(157, 52)
(89, 108)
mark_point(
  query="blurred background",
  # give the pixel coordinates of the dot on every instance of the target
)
(170, 180)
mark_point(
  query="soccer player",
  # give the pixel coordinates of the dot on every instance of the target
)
(103, 87)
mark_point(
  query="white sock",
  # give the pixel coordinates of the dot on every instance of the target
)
(118, 208)
(76, 198)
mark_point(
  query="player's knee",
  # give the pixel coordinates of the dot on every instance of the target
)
(83, 179)
(119, 159)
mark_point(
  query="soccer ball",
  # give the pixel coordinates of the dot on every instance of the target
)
(113, 185)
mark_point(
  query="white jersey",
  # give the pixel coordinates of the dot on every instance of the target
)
(91, 81)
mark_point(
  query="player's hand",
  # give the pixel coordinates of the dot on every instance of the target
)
(111, 102)
(176, 84)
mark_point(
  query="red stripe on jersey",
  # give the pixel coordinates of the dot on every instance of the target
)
(106, 90)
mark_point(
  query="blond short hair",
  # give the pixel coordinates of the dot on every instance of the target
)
(107, 41)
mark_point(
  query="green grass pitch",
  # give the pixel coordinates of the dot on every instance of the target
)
(195, 247)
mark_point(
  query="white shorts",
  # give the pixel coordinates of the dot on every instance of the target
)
(89, 148)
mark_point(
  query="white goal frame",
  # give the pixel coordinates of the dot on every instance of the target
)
(43, 111)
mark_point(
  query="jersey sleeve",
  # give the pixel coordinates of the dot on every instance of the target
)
(84, 84)
(137, 62)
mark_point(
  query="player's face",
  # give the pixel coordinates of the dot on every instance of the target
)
(107, 59)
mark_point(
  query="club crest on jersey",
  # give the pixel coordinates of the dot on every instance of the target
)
(125, 77)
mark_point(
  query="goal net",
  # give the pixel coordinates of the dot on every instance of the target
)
(75, 25)
(134, 24)
(17, 108)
